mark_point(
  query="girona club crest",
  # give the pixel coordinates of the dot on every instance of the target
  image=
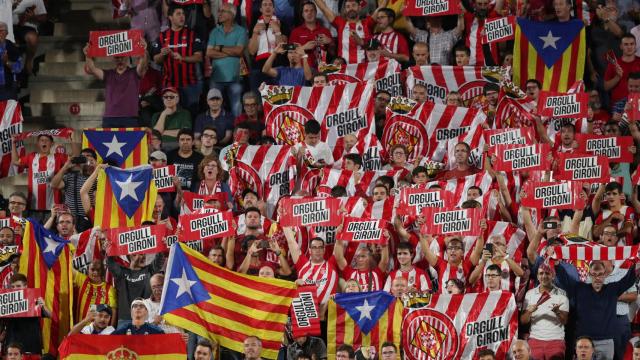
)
(429, 335)
(340, 78)
(406, 131)
(243, 177)
(286, 124)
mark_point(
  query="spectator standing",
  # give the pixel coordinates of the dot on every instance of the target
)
(252, 116)
(617, 74)
(27, 16)
(185, 159)
(440, 42)
(266, 35)
(217, 117)
(394, 45)
(311, 31)
(226, 46)
(10, 64)
(172, 119)
(298, 71)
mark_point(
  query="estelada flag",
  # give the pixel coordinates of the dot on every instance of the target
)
(305, 317)
(521, 157)
(560, 105)
(615, 148)
(431, 7)
(552, 52)
(115, 43)
(124, 197)
(46, 261)
(363, 230)
(449, 221)
(553, 195)
(122, 147)
(413, 200)
(363, 319)
(223, 305)
(136, 240)
(582, 167)
(310, 212)
(206, 225)
(148, 347)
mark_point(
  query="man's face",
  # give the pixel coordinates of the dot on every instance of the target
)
(487, 357)
(597, 275)
(18, 285)
(156, 142)
(562, 9)
(628, 46)
(404, 257)
(252, 348)
(492, 279)
(462, 58)
(266, 272)
(350, 165)
(383, 20)
(250, 200)
(379, 193)
(350, 141)
(492, 97)
(158, 207)
(342, 355)
(202, 353)
(399, 156)
(95, 273)
(6, 237)
(215, 104)
(170, 99)
(567, 135)
(612, 130)
(461, 154)
(252, 220)
(17, 205)
(44, 144)
(319, 81)
(312, 139)
(102, 320)
(420, 55)
(309, 13)
(519, 351)
(13, 354)
(420, 178)
(65, 225)
(609, 236)
(177, 18)
(419, 94)
(636, 354)
(137, 259)
(351, 9)
(399, 286)
(613, 197)
(139, 312)
(545, 277)
(208, 138)
(389, 353)
(266, 7)
(317, 250)
(362, 258)
(584, 349)
(382, 100)
(482, 4)
(250, 107)
(186, 142)
(373, 55)
(156, 287)
(3, 33)
(454, 250)
(473, 194)
(533, 91)
(633, 85)
(216, 256)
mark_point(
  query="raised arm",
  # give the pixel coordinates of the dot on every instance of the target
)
(425, 240)
(328, 13)
(90, 64)
(294, 248)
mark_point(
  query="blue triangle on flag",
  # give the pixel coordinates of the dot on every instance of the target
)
(50, 244)
(550, 39)
(114, 146)
(182, 286)
(129, 186)
(365, 308)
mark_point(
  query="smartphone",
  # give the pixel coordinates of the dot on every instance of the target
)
(489, 248)
(93, 307)
(547, 225)
(79, 160)
(289, 47)
(264, 244)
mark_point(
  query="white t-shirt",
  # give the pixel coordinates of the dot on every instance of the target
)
(320, 151)
(23, 6)
(88, 330)
(544, 322)
(7, 17)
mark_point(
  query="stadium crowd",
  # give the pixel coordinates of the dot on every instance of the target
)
(197, 93)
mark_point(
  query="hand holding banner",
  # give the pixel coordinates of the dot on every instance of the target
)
(615, 148)
(582, 167)
(63, 133)
(521, 157)
(206, 226)
(432, 7)
(310, 212)
(450, 221)
(522, 135)
(500, 29)
(363, 230)
(558, 105)
(137, 240)
(553, 195)
(413, 200)
(19, 303)
(163, 177)
(116, 43)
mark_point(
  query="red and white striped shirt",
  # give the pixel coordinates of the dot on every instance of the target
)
(41, 169)
(323, 275)
(266, 40)
(393, 41)
(347, 46)
(473, 38)
(447, 271)
(416, 278)
(369, 280)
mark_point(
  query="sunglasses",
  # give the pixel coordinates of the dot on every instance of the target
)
(169, 97)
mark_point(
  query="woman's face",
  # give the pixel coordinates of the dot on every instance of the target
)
(211, 170)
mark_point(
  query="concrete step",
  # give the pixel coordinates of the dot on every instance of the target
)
(65, 110)
(55, 95)
(66, 43)
(83, 29)
(71, 55)
(68, 82)
(64, 69)
(91, 15)
(80, 121)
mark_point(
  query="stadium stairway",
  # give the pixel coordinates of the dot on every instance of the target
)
(62, 94)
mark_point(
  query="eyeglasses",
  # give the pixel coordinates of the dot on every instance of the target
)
(493, 276)
(17, 203)
(454, 248)
(383, 99)
(610, 233)
(208, 136)
(398, 153)
(250, 104)
(169, 97)
(597, 275)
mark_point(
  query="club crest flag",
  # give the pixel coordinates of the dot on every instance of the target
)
(341, 110)
(552, 52)
(116, 347)
(458, 326)
(385, 73)
(46, 261)
(310, 212)
(431, 7)
(122, 147)
(223, 305)
(553, 195)
(116, 43)
(10, 124)
(363, 319)
(124, 197)
(582, 167)
(615, 148)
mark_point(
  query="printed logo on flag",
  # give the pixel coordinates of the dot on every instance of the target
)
(429, 334)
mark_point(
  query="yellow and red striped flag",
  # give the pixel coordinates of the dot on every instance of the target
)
(223, 305)
(122, 147)
(124, 197)
(115, 347)
(363, 319)
(554, 53)
(46, 261)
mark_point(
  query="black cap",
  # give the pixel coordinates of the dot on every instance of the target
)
(104, 307)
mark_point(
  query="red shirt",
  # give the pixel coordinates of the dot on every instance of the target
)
(347, 46)
(369, 280)
(41, 169)
(620, 91)
(474, 28)
(302, 35)
(394, 42)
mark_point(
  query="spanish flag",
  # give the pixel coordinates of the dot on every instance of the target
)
(223, 305)
(122, 147)
(124, 197)
(363, 319)
(46, 261)
(554, 53)
(116, 347)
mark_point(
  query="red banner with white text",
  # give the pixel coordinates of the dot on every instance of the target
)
(363, 230)
(450, 221)
(310, 212)
(616, 148)
(206, 226)
(431, 7)
(305, 317)
(521, 157)
(116, 43)
(19, 303)
(553, 195)
(581, 167)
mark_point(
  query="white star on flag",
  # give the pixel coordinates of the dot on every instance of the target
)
(365, 310)
(52, 245)
(129, 188)
(549, 40)
(114, 146)
(184, 284)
